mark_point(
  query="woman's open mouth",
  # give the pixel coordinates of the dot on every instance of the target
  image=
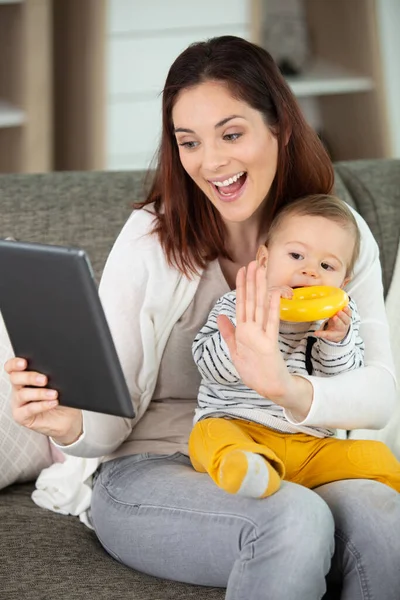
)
(230, 189)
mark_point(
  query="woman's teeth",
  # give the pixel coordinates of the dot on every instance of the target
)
(229, 181)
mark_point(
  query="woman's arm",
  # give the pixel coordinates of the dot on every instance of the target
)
(143, 297)
(360, 399)
(124, 291)
(364, 398)
(121, 296)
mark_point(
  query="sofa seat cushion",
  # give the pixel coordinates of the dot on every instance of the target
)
(46, 555)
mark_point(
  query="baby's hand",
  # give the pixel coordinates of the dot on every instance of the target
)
(335, 329)
(285, 291)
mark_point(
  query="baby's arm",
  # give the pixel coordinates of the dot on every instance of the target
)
(333, 357)
(210, 352)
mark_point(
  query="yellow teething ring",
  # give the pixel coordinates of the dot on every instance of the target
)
(313, 303)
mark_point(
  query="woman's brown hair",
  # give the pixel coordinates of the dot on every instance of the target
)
(190, 229)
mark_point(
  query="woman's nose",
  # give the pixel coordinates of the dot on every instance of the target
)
(214, 159)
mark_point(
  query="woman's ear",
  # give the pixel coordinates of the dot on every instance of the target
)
(262, 256)
(288, 135)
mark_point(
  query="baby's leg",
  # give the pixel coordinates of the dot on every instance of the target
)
(332, 460)
(236, 463)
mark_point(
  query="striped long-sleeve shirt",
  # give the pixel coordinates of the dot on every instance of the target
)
(222, 392)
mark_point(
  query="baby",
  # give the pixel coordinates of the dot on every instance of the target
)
(248, 444)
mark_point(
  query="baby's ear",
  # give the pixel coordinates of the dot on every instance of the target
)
(262, 256)
(345, 282)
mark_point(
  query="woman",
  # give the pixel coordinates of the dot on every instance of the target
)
(234, 149)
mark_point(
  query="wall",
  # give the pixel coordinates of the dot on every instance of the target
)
(143, 39)
(388, 19)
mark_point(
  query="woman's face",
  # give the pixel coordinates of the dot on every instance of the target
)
(226, 148)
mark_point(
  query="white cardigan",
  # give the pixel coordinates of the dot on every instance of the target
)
(390, 434)
(143, 298)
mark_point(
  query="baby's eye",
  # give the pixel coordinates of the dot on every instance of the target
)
(232, 137)
(296, 255)
(188, 145)
(327, 267)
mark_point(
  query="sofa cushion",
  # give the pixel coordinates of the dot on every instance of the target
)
(372, 187)
(23, 453)
(88, 209)
(85, 209)
(46, 555)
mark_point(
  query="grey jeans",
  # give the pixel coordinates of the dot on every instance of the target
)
(157, 515)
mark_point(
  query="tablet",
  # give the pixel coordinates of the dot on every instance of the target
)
(55, 320)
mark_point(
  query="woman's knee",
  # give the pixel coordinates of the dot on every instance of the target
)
(296, 547)
(306, 526)
(367, 517)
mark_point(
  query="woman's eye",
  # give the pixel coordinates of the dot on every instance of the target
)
(296, 255)
(188, 145)
(231, 137)
(327, 267)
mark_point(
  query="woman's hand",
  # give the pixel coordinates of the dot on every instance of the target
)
(253, 344)
(37, 407)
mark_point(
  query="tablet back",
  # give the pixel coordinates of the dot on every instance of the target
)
(54, 317)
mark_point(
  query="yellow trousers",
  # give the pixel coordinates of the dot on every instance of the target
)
(222, 447)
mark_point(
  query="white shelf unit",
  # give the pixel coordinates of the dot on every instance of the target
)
(322, 78)
(25, 86)
(112, 57)
(10, 116)
(344, 79)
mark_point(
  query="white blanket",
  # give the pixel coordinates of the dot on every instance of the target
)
(66, 487)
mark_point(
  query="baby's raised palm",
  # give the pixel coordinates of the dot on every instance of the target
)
(253, 344)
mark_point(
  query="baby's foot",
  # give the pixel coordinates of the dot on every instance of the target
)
(247, 474)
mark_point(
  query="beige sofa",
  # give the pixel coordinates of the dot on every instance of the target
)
(48, 556)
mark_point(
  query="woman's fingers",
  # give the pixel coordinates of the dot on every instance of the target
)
(30, 397)
(15, 364)
(27, 378)
(28, 394)
(20, 377)
(25, 414)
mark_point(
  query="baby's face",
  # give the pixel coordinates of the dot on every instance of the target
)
(308, 251)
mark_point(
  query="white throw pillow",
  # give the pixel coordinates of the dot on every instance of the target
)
(23, 453)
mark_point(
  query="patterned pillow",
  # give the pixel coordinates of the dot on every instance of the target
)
(23, 453)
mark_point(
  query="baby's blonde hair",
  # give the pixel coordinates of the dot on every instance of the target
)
(321, 205)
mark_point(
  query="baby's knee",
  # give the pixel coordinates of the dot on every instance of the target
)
(374, 455)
